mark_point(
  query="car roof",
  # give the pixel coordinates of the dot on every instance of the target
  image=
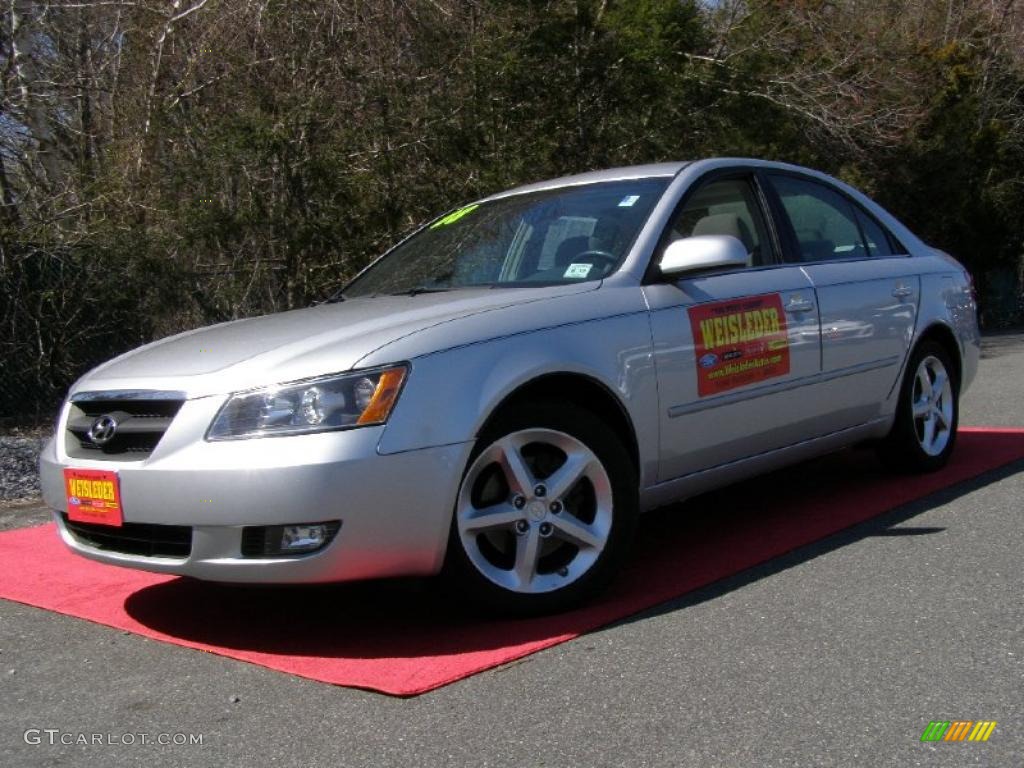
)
(674, 169)
(654, 170)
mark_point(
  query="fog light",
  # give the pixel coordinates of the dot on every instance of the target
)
(278, 540)
(303, 538)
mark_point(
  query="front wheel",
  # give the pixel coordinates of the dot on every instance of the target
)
(545, 512)
(923, 436)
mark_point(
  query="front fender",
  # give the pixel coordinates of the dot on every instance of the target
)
(450, 394)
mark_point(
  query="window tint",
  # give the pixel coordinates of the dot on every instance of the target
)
(874, 235)
(560, 235)
(564, 229)
(726, 207)
(825, 222)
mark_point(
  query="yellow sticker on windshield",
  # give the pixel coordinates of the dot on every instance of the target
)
(454, 216)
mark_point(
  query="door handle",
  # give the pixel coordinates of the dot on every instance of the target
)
(901, 291)
(796, 305)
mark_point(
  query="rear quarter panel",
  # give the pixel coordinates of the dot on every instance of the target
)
(947, 299)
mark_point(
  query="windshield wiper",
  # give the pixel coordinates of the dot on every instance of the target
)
(420, 289)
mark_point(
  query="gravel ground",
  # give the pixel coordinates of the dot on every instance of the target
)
(19, 469)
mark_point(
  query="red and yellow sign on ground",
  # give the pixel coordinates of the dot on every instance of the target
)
(739, 342)
(93, 496)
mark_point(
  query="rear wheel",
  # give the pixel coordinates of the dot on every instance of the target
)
(545, 512)
(923, 436)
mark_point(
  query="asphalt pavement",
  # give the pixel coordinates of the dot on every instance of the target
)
(838, 654)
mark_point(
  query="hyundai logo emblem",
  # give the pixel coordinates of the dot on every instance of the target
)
(103, 429)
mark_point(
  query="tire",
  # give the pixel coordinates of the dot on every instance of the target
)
(549, 547)
(924, 432)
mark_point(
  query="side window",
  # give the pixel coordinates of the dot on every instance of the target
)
(725, 207)
(874, 235)
(824, 222)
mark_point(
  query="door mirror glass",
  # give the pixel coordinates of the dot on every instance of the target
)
(703, 252)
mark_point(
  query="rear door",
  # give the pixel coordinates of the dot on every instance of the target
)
(732, 348)
(867, 292)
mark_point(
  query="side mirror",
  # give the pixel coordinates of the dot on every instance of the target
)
(703, 252)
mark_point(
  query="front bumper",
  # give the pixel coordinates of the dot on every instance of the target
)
(395, 509)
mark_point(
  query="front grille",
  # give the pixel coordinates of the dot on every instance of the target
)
(145, 539)
(140, 423)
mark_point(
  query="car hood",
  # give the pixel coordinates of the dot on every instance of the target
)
(301, 343)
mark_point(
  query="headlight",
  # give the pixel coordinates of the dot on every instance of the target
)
(359, 399)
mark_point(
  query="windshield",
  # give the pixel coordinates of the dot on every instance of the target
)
(557, 236)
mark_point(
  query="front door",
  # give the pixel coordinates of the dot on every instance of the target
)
(733, 348)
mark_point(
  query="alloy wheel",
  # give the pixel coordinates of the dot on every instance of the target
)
(535, 510)
(932, 405)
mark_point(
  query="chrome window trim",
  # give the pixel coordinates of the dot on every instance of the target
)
(127, 394)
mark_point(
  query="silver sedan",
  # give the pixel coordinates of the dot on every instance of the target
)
(502, 393)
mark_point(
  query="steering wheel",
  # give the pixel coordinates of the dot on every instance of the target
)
(609, 259)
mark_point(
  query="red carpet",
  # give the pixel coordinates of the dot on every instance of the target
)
(404, 639)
